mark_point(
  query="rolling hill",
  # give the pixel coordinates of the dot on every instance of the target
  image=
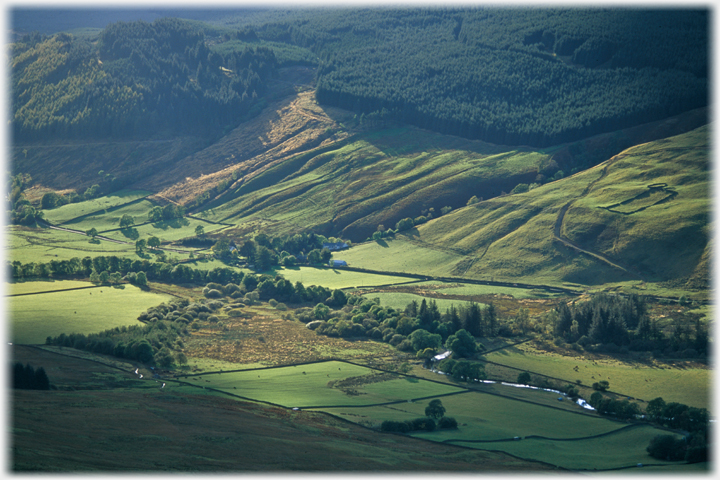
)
(641, 215)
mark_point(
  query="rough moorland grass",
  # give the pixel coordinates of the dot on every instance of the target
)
(35, 317)
(682, 384)
(74, 210)
(290, 387)
(338, 278)
(624, 448)
(399, 301)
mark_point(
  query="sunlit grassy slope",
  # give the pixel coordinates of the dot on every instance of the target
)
(352, 186)
(645, 210)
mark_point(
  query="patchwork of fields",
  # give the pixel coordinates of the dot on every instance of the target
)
(522, 427)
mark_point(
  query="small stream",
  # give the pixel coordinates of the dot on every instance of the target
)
(580, 401)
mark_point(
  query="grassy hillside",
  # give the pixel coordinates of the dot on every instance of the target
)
(640, 216)
(378, 177)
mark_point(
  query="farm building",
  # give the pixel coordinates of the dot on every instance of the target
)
(338, 263)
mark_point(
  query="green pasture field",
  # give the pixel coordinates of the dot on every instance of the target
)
(104, 220)
(624, 448)
(28, 245)
(401, 255)
(43, 286)
(338, 278)
(491, 419)
(683, 384)
(167, 231)
(70, 211)
(399, 301)
(35, 317)
(290, 387)
(483, 416)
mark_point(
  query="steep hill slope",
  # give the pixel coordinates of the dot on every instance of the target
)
(641, 215)
(356, 180)
(378, 177)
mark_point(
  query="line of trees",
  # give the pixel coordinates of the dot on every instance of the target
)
(434, 419)
(265, 251)
(615, 322)
(28, 378)
(153, 271)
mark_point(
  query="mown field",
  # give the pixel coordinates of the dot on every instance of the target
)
(625, 448)
(35, 317)
(107, 219)
(43, 286)
(402, 255)
(681, 382)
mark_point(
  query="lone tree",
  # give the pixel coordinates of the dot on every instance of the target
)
(153, 242)
(127, 221)
(435, 409)
(92, 232)
(199, 231)
(601, 386)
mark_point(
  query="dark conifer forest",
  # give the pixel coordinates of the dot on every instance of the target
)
(137, 78)
(536, 77)
(510, 76)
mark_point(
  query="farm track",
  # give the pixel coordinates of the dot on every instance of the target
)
(557, 229)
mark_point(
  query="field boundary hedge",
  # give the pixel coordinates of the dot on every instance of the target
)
(54, 291)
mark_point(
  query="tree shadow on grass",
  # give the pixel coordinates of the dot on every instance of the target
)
(382, 243)
(174, 223)
(130, 233)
